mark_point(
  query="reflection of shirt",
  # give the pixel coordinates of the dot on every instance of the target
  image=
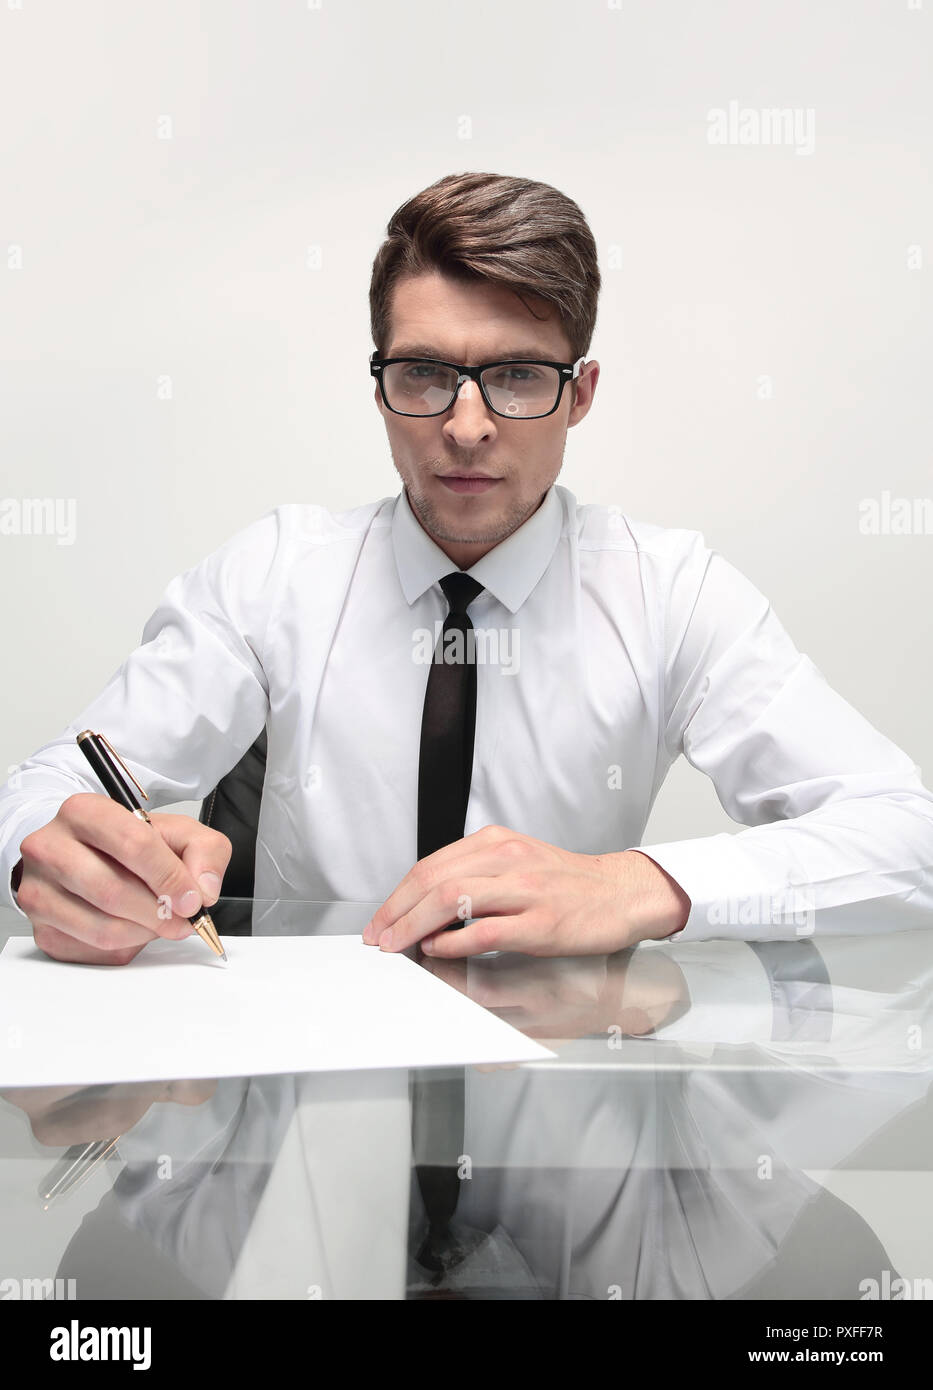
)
(592, 1180)
(605, 647)
(596, 1183)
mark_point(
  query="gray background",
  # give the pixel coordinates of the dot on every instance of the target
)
(297, 126)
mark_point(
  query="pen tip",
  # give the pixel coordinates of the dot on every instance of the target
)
(223, 956)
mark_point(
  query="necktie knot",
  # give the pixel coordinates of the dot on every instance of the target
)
(460, 590)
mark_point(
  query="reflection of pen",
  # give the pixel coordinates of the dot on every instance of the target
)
(75, 1164)
(98, 752)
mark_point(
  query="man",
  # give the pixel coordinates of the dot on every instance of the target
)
(609, 648)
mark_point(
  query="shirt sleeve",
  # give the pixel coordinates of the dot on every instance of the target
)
(841, 837)
(185, 705)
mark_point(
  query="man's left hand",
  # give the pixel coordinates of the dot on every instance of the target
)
(526, 895)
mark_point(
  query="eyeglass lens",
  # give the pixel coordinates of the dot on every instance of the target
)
(516, 389)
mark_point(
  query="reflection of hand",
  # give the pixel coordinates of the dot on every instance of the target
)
(635, 991)
(63, 1115)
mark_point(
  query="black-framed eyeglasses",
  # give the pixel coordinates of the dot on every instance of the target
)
(517, 390)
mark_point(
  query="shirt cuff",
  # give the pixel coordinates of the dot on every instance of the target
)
(734, 894)
(730, 995)
(35, 816)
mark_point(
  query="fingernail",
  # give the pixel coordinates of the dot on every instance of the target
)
(210, 887)
(385, 940)
(188, 903)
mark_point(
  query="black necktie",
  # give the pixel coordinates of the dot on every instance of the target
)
(445, 768)
(448, 723)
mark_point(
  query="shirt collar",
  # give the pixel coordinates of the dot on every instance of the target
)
(509, 571)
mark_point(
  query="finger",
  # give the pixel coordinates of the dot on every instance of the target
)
(455, 899)
(188, 1092)
(78, 889)
(452, 972)
(478, 854)
(204, 852)
(482, 986)
(141, 848)
(37, 1101)
(500, 933)
(497, 997)
(99, 1117)
(634, 1021)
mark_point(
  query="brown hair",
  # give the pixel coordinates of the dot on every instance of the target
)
(525, 236)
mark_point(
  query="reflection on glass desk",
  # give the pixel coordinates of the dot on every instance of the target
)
(722, 1120)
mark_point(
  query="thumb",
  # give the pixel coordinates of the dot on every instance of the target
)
(204, 852)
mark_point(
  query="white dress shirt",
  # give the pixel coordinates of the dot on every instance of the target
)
(621, 645)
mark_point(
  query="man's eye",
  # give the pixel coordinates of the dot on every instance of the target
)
(516, 375)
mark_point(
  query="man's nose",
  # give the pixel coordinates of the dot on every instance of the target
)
(469, 420)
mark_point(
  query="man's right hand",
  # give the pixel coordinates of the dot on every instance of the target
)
(97, 883)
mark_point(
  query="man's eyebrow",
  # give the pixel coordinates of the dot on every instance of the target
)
(528, 352)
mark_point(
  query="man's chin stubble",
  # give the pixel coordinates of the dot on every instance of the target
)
(491, 534)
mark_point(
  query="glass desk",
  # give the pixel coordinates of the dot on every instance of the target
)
(722, 1121)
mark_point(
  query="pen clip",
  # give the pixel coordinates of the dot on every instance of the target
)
(107, 744)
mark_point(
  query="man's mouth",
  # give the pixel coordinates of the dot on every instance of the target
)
(468, 482)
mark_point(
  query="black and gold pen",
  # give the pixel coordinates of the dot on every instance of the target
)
(104, 758)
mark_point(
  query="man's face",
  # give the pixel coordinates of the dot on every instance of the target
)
(433, 316)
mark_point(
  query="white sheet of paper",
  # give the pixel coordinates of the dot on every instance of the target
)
(282, 1004)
